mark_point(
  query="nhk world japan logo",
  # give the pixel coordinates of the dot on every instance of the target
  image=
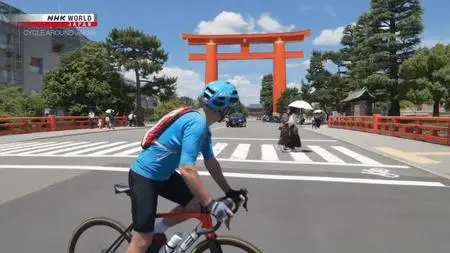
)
(55, 20)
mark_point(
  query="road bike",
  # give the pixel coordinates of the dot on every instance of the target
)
(212, 242)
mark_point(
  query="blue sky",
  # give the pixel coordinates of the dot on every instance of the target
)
(168, 19)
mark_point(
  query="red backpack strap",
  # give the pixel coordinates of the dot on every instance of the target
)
(156, 130)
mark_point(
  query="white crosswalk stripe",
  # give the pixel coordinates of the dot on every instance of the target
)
(231, 152)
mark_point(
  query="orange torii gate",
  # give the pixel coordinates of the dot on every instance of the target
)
(279, 54)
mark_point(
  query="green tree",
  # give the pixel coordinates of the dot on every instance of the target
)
(288, 96)
(164, 87)
(238, 107)
(134, 50)
(396, 26)
(167, 106)
(305, 91)
(266, 94)
(187, 101)
(34, 105)
(11, 100)
(429, 73)
(86, 79)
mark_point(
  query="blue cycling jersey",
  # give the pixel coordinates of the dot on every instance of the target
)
(179, 144)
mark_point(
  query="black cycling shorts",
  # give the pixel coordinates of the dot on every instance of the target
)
(144, 198)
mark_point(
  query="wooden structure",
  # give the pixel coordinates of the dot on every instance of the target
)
(278, 55)
(359, 103)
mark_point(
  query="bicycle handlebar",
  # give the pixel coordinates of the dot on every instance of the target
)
(237, 201)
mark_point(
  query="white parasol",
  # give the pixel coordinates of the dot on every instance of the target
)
(301, 105)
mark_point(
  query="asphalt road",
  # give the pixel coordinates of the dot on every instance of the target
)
(329, 197)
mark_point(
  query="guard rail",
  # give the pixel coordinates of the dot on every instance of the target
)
(22, 125)
(428, 129)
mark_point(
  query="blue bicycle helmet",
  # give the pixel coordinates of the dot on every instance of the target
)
(220, 95)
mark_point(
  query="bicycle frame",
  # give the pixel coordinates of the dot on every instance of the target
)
(206, 225)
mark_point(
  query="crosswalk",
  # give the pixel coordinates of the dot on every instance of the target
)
(224, 151)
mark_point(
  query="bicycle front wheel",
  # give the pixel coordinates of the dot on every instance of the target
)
(108, 246)
(222, 244)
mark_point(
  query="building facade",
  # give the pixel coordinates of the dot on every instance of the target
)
(27, 54)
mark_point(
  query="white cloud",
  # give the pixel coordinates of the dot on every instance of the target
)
(269, 24)
(232, 22)
(292, 85)
(189, 83)
(433, 42)
(304, 64)
(248, 89)
(330, 36)
(330, 10)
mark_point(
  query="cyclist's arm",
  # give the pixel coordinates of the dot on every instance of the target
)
(213, 166)
(190, 148)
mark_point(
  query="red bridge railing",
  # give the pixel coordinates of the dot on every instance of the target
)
(22, 125)
(429, 129)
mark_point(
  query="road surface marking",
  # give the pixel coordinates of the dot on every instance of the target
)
(13, 144)
(96, 148)
(130, 151)
(300, 157)
(30, 147)
(73, 148)
(380, 172)
(354, 155)
(265, 139)
(393, 166)
(57, 146)
(109, 150)
(32, 144)
(431, 153)
(244, 175)
(241, 151)
(407, 156)
(219, 147)
(268, 153)
(325, 154)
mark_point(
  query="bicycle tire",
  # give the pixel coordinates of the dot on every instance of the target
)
(229, 241)
(97, 221)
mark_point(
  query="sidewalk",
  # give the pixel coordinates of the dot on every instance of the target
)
(54, 134)
(430, 157)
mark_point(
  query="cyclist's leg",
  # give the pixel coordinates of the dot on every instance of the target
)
(176, 190)
(144, 199)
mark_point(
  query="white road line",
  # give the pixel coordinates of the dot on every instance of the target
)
(265, 139)
(245, 175)
(300, 157)
(388, 166)
(109, 150)
(354, 155)
(325, 154)
(129, 151)
(29, 144)
(10, 144)
(268, 153)
(219, 147)
(59, 151)
(30, 147)
(96, 148)
(241, 151)
(56, 146)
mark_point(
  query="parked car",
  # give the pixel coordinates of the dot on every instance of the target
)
(236, 119)
(274, 119)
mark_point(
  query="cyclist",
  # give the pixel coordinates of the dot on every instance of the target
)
(153, 173)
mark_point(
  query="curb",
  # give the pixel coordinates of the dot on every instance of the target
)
(82, 133)
(419, 167)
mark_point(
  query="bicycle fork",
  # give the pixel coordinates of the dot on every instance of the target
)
(192, 238)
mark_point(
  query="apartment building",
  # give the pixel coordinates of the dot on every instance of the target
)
(27, 54)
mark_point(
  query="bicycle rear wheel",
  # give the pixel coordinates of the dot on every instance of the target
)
(215, 246)
(101, 221)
